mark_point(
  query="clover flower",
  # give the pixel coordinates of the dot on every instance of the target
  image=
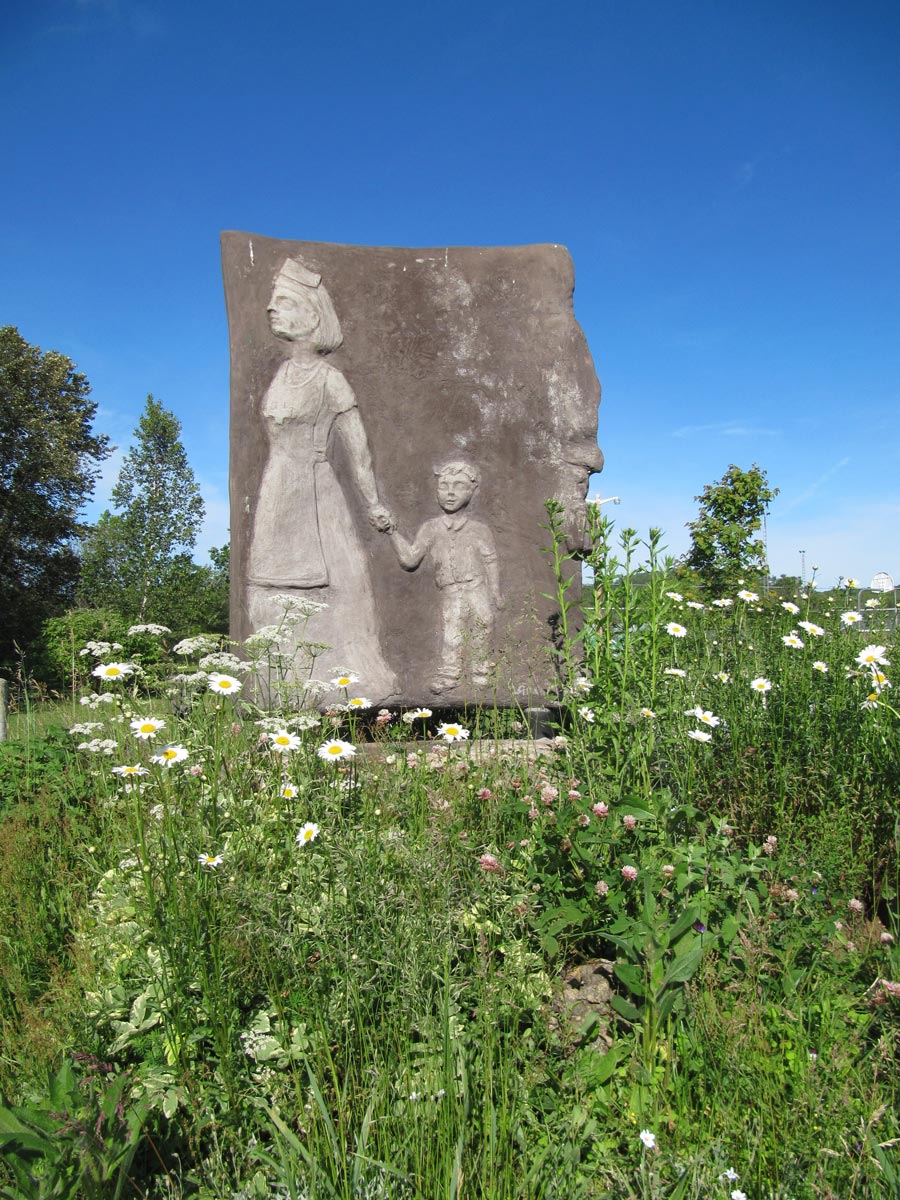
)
(629, 874)
(452, 733)
(489, 863)
(676, 630)
(307, 833)
(335, 749)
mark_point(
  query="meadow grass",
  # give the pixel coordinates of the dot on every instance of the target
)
(260, 967)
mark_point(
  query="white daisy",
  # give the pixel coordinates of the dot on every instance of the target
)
(146, 728)
(224, 684)
(873, 656)
(791, 639)
(336, 749)
(169, 756)
(452, 733)
(283, 741)
(345, 680)
(113, 670)
(676, 630)
(307, 833)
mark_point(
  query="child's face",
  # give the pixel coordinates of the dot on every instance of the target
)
(454, 492)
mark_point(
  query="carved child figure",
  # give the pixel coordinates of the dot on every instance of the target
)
(464, 557)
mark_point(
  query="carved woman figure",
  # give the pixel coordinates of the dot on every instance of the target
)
(304, 535)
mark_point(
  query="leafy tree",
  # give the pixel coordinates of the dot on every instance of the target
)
(135, 558)
(49, 462)
(723, 546)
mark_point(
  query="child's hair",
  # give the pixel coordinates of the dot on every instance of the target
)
(459, 467)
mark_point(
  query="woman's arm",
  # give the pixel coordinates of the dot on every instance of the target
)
(351, 429)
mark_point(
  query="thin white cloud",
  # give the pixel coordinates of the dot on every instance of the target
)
(726, 429)
(816, 486)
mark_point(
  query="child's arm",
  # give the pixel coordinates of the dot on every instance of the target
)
(491, 567)
(410, 556)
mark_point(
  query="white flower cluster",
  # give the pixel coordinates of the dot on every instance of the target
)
(201, 644)
(86, 727)
(155, 630)
(262, 639)
(94, 700)
(99, 745)
(222, 660)
(99, 649)
(193, 679)
(298, 608)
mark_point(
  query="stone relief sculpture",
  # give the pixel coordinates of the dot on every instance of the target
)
(463, 555)
(355, 370)
(304, 534)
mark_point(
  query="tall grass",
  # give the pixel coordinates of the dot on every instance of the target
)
(197, 1003)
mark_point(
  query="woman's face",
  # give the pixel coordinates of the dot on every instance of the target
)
(291, 315)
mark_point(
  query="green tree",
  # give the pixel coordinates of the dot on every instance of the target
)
(724, 547)
(49, 463)
(134, 559)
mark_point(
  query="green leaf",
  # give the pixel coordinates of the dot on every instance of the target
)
(625, 1008)
(686, 965)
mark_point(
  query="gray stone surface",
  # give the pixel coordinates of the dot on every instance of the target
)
(398, 418)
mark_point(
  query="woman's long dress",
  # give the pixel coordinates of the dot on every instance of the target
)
(305, 538)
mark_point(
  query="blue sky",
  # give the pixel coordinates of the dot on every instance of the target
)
(726, 177)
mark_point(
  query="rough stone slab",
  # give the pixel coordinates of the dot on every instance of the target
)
(456, 355)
